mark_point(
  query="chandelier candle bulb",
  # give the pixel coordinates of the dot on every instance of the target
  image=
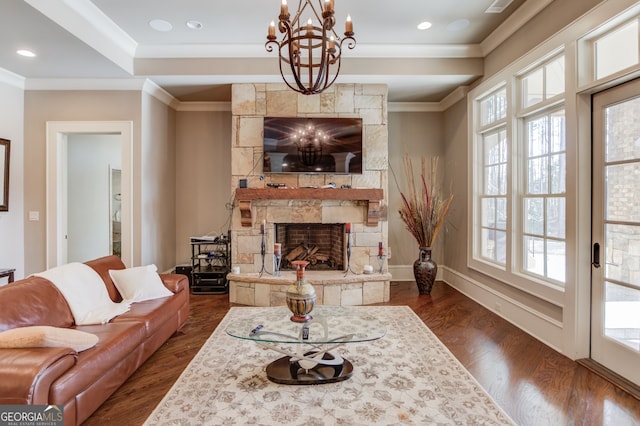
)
(272, 31)
(309, 27)
(348, 26)
(284, 9)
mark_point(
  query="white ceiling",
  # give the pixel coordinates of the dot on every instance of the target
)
(86, 41)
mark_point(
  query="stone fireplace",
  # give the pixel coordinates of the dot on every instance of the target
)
(302, 205)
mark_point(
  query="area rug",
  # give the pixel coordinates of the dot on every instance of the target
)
(406, 378)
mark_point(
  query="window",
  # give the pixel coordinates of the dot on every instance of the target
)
(520, 167)
(491, 236)
(616, 50)
(493, 211)
(543, 206)
(543, 83)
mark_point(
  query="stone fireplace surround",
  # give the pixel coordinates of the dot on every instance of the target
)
(250, 104)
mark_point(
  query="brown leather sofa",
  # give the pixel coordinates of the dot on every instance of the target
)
(81, 382)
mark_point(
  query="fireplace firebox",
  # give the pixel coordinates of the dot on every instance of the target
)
(320, 244)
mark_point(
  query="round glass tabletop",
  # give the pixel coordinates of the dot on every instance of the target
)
(329, 324)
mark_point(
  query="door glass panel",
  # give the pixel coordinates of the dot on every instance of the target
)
(623, 253)
(622, 322)
(623, 187)
(623, 131)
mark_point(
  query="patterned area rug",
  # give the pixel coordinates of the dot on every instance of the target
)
(406, 378)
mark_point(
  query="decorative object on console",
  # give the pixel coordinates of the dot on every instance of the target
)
(301, 296)
(381, 256)
(311, 53)
(423, 212)
(277, 258)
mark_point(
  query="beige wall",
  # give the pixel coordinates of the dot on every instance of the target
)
(43, 106)
(12, 221)
(157, 185)
(203, 177)
(417, 134)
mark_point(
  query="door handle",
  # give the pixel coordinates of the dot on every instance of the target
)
(596, 255)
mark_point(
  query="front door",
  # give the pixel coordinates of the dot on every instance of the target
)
(615, 320)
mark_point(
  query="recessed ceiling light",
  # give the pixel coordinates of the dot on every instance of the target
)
(458, 25)
(424, 25)
(160, 25)
(25, 52)
(194, 25)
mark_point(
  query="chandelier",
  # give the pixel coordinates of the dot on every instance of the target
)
(309, 54)
(309, 141)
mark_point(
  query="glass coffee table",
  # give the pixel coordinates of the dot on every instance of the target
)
(311, 362)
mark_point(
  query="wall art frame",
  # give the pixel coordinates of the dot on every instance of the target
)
(5, 148)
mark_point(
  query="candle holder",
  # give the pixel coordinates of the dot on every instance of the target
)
(263, 252)
(348, 255)
(277, 258)
(263, 249)
(381, 258)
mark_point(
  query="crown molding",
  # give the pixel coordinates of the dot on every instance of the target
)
(451, 99)
(204, 106)
(460, 93)
(160, 94)
(513, 23)
(12, 79)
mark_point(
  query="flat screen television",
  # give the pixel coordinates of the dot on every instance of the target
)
(312, 145)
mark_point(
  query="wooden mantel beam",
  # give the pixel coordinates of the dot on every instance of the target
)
(371, 195)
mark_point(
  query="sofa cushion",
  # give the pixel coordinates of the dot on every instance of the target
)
(33, 301)
(102, 266)
(44, 336)
(154, 313)
(139, 284)
(85, 292)
(117, 341)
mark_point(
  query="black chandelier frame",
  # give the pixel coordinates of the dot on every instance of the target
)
(311, 74)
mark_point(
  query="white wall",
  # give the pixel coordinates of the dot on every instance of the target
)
(89, 159)
(12, 128)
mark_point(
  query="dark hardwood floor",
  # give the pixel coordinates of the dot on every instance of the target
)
(534, 384)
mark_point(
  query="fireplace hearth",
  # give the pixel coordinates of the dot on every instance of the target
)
(320, 244)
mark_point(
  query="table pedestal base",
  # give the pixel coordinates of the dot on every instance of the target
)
(287, 372)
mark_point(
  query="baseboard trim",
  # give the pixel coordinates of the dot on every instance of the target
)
(610, 376)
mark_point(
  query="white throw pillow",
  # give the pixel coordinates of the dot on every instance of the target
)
(44, 336)
(85, 292)
(139, 283)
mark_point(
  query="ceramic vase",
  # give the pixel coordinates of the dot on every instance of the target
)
(425, 270)
(301, 296)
